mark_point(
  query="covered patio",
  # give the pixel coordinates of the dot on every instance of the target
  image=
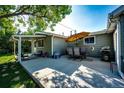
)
(38, 43)
(65, 72)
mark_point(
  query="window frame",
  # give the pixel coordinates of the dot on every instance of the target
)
(37, 43)
(89, 43)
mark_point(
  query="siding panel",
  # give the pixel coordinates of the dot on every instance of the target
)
(59, 45)
(47, 45)
(101, 41)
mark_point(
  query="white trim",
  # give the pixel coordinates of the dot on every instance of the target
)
(89, 43)
(115, 41)
(40, 47)
(29, 35)
(50, 34)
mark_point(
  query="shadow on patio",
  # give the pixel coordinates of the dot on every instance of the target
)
(97, 79)
(83, 73)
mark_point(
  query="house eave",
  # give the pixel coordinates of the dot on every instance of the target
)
(51, 34)
(113, 17)
(26, 36)
(98, 32)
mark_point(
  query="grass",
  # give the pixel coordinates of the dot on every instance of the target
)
(12, 75)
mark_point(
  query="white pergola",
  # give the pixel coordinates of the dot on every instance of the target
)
(20, 38)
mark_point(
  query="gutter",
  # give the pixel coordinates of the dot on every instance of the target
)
(112, 21)
(113, 17)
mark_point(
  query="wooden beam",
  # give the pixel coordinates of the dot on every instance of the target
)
(28, 36)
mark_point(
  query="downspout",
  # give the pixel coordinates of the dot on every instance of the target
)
(52, 45)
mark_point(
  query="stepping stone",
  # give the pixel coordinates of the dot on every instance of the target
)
(3, 70)
(16, 78)
(16, 72)
(4, 75)
(5, 67)
(12, 66)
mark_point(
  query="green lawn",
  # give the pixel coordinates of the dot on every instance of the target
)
(12, 75)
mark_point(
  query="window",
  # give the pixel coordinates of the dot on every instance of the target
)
(39, 43)
(89, 40)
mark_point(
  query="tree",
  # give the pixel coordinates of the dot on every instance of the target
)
(36, 17)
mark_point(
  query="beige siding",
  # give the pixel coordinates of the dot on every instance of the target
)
(101, 41)
(36, 48)
(47, 45)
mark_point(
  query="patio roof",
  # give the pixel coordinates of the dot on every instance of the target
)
(51, 34)
(26, 37)
(77, 36)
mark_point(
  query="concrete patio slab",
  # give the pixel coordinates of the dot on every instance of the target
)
(50, 78)
(94, 73)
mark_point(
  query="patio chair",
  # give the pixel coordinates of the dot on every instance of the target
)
(83, 52)
(77, 52)
(70, 51)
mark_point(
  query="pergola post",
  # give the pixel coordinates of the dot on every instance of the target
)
(19, 49)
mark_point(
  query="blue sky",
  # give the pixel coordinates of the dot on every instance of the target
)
(86, 18)
(91, 17)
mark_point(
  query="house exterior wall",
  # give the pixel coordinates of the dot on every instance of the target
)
(47, 44)
(101, 40)
(59, 45)
(46, 47)
(122, 41)
(71, 44)
(37, 48)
